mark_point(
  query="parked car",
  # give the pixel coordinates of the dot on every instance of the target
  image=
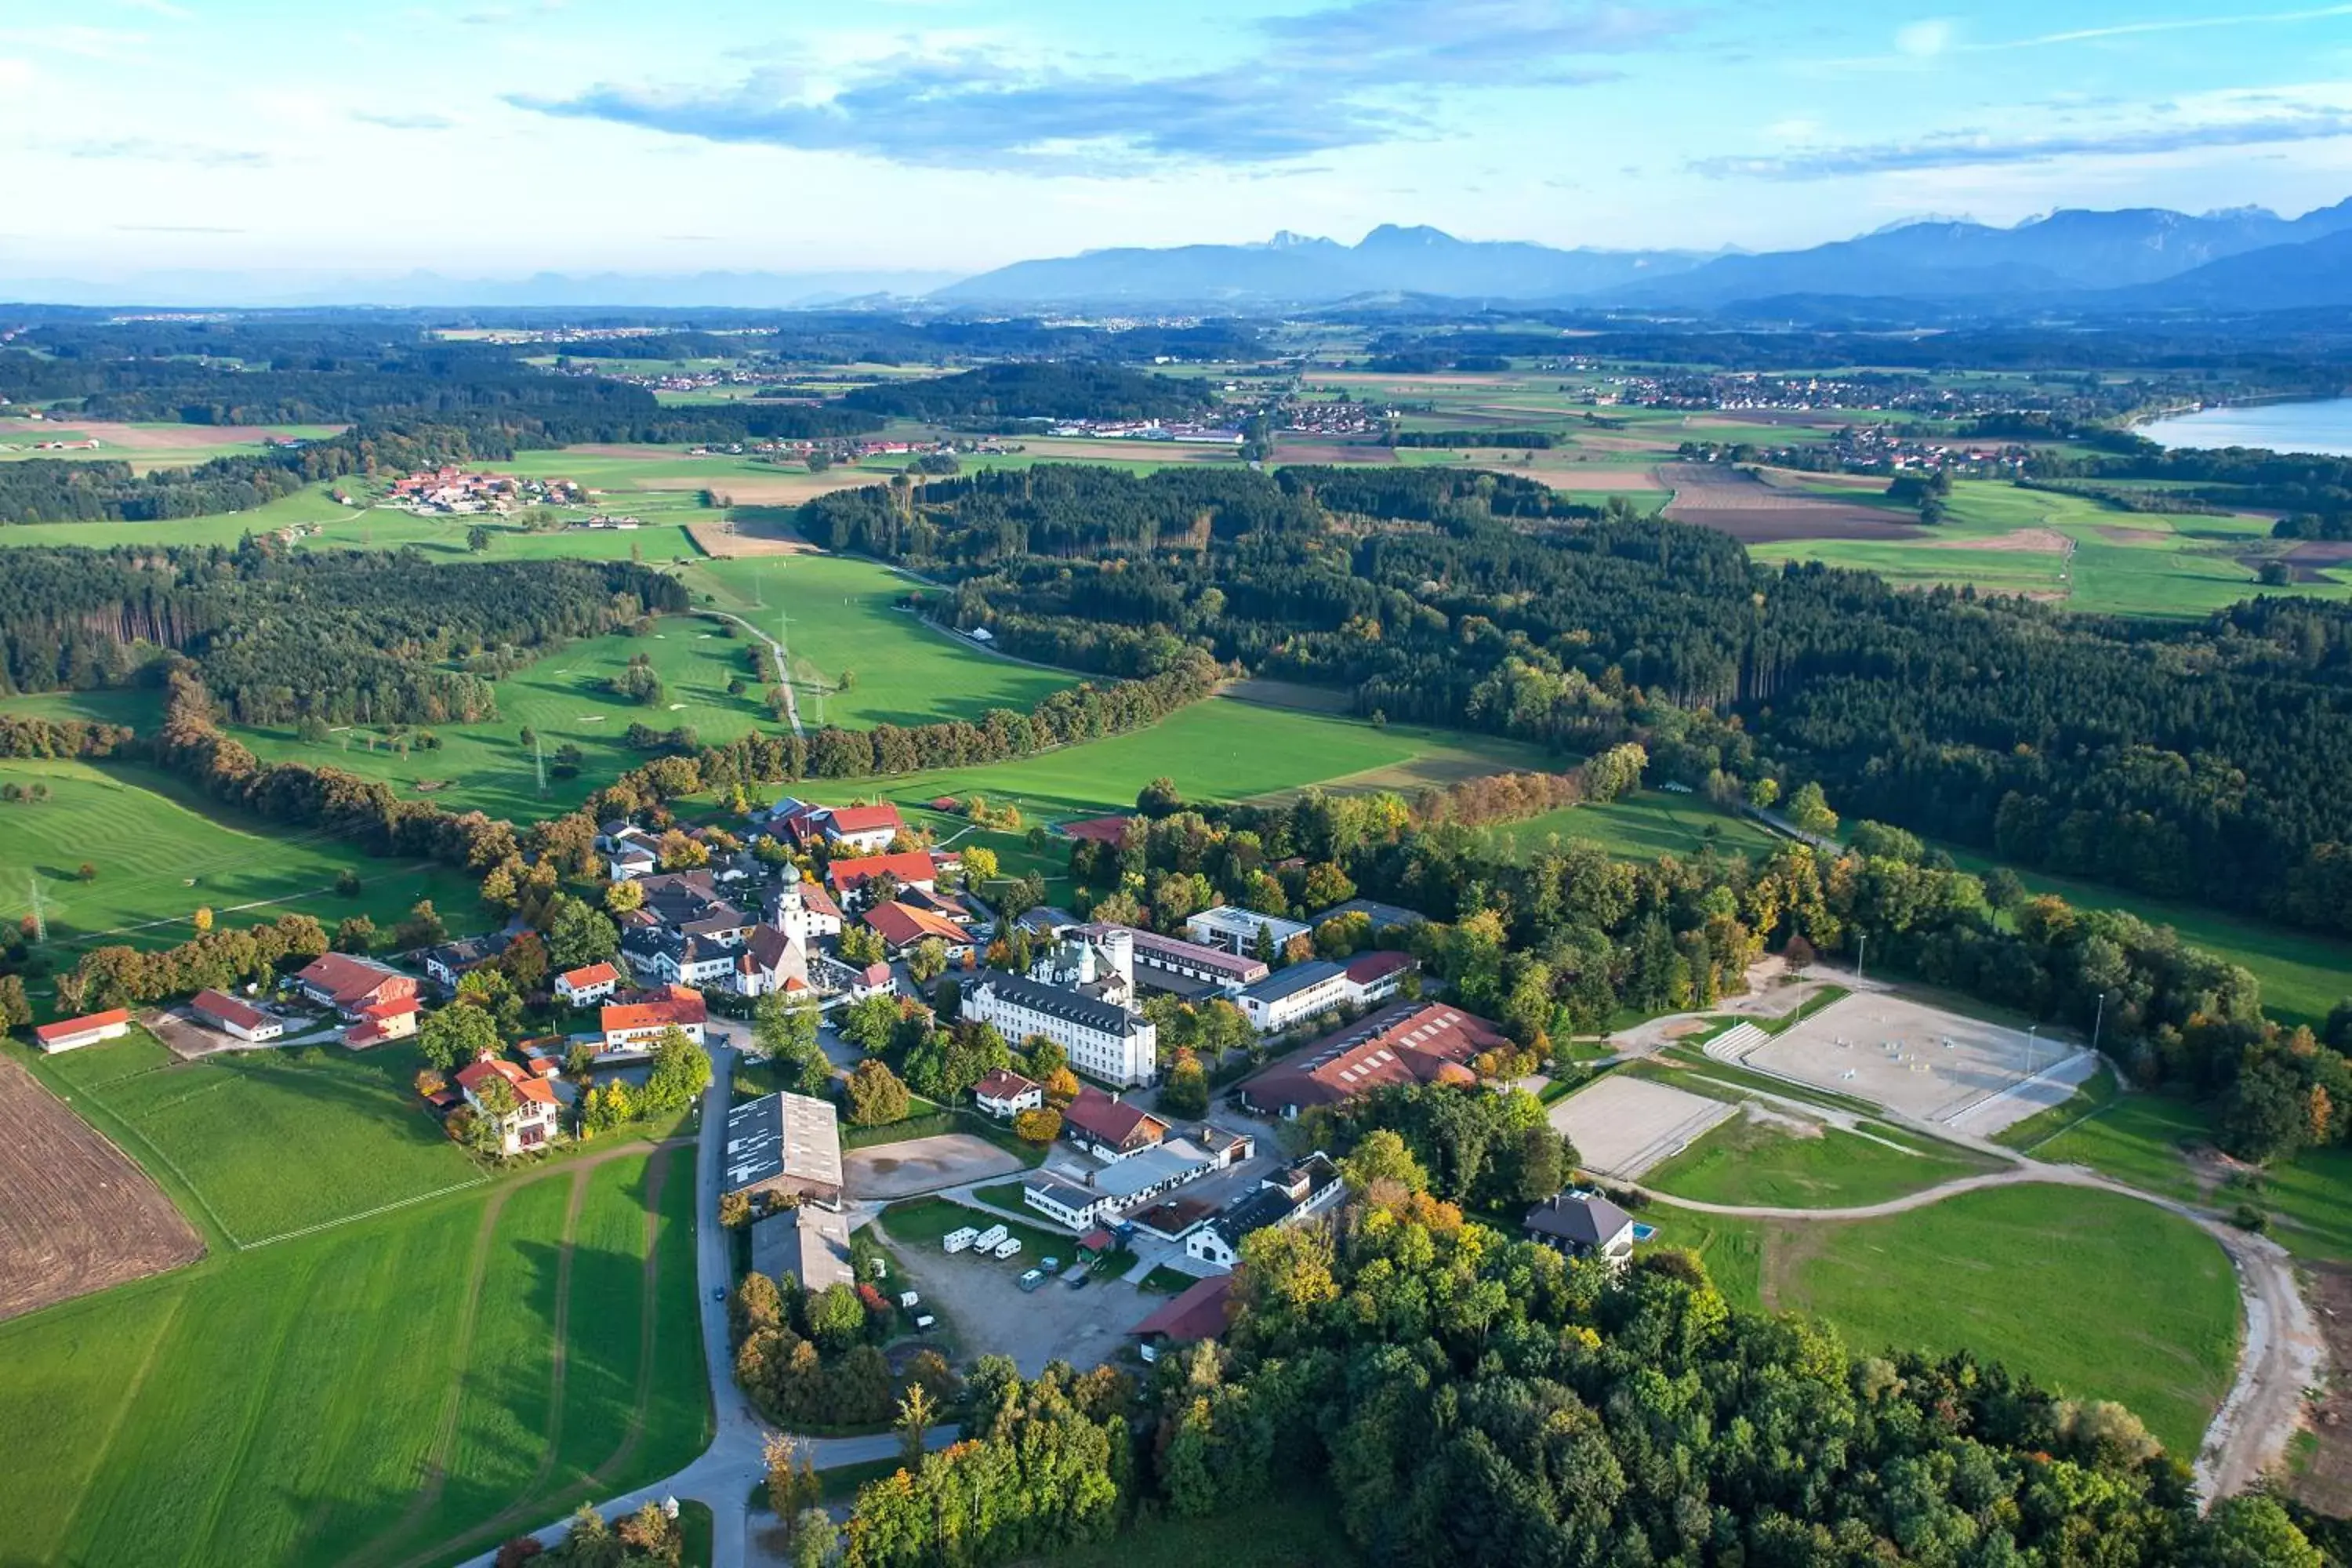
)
(1050, 1265)
(1032, 1279)
(1079, 1277)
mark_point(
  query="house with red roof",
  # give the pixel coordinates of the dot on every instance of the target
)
(634, 1026)
(873, 980)
(351, 985)
(866, 827)
(1200, 1311)
(68, 1033)
(395, 1019)
(584, 986)
(1109, 1128)
(1406, 1042)
(912, 867)
(1005, 1092)
(534, 1122)
(902, 926)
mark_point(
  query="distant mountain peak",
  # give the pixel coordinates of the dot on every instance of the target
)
(1919, 219)
(1284, 240)
(1389, 236)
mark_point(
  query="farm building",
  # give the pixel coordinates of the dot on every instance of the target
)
(1405, 1042)
(786, 1143)
(350, 985)
(67, 1033)
(231, 1016)
(807, 1247)
(1196, 1313)
(913, 868)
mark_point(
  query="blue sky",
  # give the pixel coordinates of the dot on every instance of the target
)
(499, 137)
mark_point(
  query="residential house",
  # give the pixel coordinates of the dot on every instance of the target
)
(630, 854)
(537, 1114)
(351, 985)
(393, 1019)
(453, 960)
(231, 1016)
(634, 1026)
(903, 927)
(912, 869)
(867, 828)
(1289, 1197)
(688, 904)
(667, 958)
(806, 1246)
(873, 980)
(584, 987)
(71, 1034)
(1238, 931)
(1405, 1042)
(784, 1143)
(1004, 1093)
(1108, 1127)
(1583, 1225)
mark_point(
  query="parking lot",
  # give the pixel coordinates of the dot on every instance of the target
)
(1925, 1061)
(982, 1298)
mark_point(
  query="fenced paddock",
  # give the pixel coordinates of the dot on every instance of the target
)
(1621, 1126)
(1924, 1061)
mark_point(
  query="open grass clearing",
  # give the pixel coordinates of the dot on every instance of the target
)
(1781, 1161)
(161, 851)
(1639, 827)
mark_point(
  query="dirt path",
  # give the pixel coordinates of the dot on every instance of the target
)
(783, 665)
(2279, 1358)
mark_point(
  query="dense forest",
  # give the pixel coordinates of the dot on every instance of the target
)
(1472, 1399)
(997, 393)
(2209, 761)
(336, 637)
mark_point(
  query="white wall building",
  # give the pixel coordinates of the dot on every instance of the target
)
(1105, 1040)
(1236, 929)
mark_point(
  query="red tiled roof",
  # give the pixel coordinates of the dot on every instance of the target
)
(1108, 1120)
(67, 1029)
(227, 1009)
(526, 1087)
(1406, 1042)
(594, 974)
(901, 925)
(1002, 1083)
(394, 1008)
(1199, 1314)
(908, 866)
(346, 978)
(875, 974)
(1367, 967)
(654, 1014)
(1101, 829)
(866, 818)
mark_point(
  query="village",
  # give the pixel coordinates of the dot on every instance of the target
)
(1065, 1152)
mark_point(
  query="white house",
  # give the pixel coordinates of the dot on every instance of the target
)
(1004, 1093)
(584, 987)
(1104, 1040)
(636, 1026)
(631, 853)
(868, 828)
(231, 1016)
(533, 1120)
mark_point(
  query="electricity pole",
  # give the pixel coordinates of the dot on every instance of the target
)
(40, 918)
(1860, 951)
(539, 761)
(2100, 1018)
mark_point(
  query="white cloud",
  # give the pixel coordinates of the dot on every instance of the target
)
(15, 73)
(1925, 40)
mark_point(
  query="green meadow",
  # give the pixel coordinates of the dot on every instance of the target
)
(2093, 1295)
(1640, 826)
(386, 1357)
(1756, 1161)
(159, 851)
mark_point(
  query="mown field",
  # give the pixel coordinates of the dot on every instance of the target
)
(405, 1389)
(2093, 1295)
(1640, 826)
(161, 851)
(2068, 549)
(1746, 1161)
(229, 1129)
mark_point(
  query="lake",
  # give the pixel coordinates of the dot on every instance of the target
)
(2322, 426)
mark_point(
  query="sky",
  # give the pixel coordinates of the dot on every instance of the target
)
(499, 138)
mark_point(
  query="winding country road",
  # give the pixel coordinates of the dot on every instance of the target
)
(2281, 1352)
(783, 664)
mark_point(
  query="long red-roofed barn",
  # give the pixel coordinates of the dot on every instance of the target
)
(1408, 1042)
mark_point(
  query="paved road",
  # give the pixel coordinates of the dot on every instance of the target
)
(737, 1458)
(2278, 1359)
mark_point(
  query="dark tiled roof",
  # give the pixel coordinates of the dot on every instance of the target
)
(1298, 977)
(1070, 1006)
(1588, 1221)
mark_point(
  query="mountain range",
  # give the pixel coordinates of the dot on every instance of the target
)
(2137, 258)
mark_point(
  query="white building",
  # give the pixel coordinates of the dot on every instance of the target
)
(1236, 929)
(582, 987)
(1310, 1188)
(232, 1016)
(1299, 992)
(1105, 1040)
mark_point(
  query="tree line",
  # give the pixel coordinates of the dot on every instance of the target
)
(995, 395)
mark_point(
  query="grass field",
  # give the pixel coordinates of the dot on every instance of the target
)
(2094, 1295)
(1640, 826)
(383, 1391)
(841, 617)
(1748, 1162)
(2102, 560)
(231, 1127)
(161, 851)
